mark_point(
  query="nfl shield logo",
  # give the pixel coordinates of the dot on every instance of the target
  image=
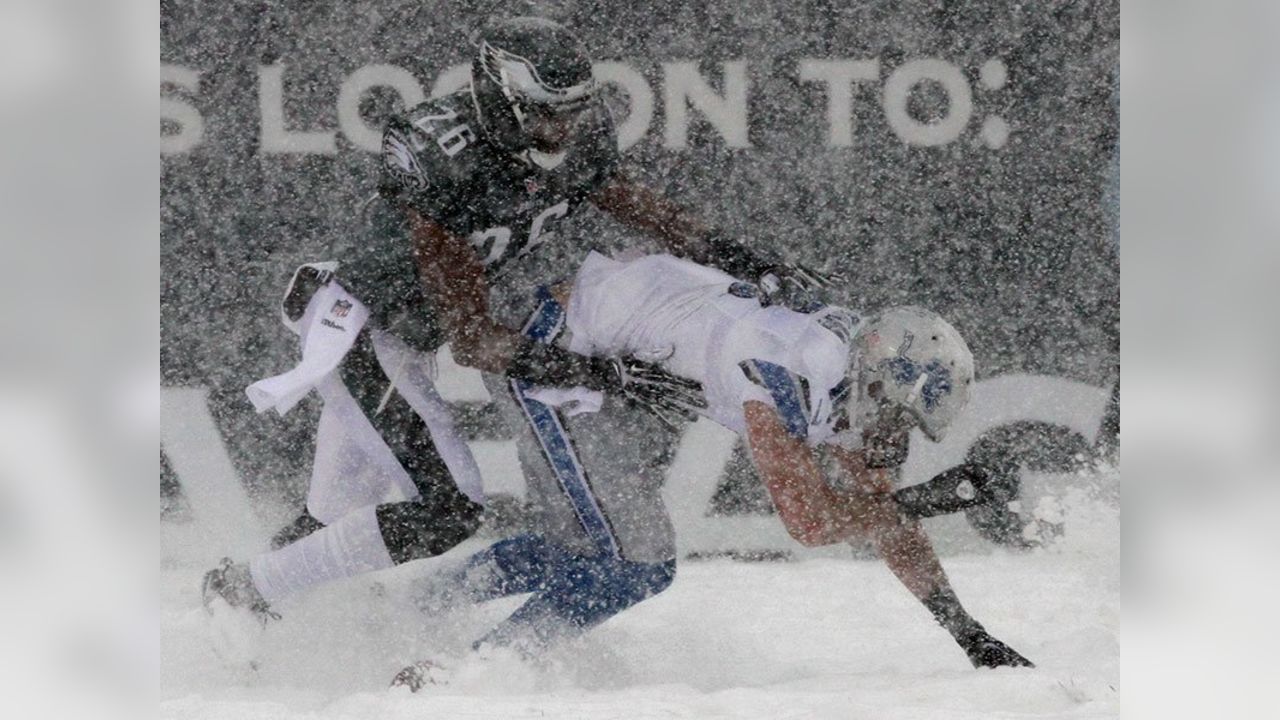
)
(340, 308)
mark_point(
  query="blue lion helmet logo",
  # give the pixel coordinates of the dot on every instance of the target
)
(906, 371)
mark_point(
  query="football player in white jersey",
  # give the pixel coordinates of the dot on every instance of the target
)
(793, 382)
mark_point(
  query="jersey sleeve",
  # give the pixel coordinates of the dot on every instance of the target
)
(786, 391)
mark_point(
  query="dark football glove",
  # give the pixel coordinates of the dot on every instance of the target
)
(952, 490)
(305, 283)
(795, 287)
(983, 649)
(986, 651)
(672, 399)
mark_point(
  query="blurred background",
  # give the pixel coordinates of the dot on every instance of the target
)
(79, 317)
(1201, 181)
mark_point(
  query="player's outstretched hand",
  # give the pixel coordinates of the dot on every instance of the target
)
(795, 287)
(986, 651)
(419, 675)
(670, 398)
(955, 489)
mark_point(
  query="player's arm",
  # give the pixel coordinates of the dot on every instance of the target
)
(816, 514)
(454, 279)
(813, 512)
(681, 232)
(687, 236)
(901, 542)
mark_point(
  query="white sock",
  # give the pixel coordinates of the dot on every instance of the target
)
(350, 546)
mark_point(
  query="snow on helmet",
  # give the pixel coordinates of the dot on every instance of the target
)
(532, 84)
(911, 367)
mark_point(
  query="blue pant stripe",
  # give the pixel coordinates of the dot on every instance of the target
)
(571, 593)
(543, 325)
(545, 322)
(567, 469)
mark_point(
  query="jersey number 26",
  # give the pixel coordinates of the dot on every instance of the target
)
(497, 239)
(451, 141)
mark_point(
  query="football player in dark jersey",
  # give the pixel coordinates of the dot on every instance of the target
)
(478, 180)
(473, 182)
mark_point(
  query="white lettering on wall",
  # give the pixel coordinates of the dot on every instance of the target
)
(180, 112)
(684, 86)
(452, 80)
(275, 137)
(639, 97)
(356, 85)
(227, 521)
(723, 105)
(897, 90)
(839, 77)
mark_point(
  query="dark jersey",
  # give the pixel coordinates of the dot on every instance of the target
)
(436, 159)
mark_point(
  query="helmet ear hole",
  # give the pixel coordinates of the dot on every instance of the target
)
(875, 389)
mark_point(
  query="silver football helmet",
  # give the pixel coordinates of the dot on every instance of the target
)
(911, 368)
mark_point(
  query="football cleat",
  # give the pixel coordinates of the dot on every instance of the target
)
(986, 651)
(419, 675)
(232, 583)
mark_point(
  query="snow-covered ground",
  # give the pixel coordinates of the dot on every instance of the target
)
(828, 638)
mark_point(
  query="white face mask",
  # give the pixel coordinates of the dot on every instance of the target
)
(871, 415)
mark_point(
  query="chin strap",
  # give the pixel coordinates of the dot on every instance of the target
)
(546, 161)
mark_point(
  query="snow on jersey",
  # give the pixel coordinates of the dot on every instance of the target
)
(702, 324)
(436, 158)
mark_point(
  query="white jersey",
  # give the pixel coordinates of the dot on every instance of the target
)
(702, 324)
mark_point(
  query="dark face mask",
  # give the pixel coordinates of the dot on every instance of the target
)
(551, 127)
